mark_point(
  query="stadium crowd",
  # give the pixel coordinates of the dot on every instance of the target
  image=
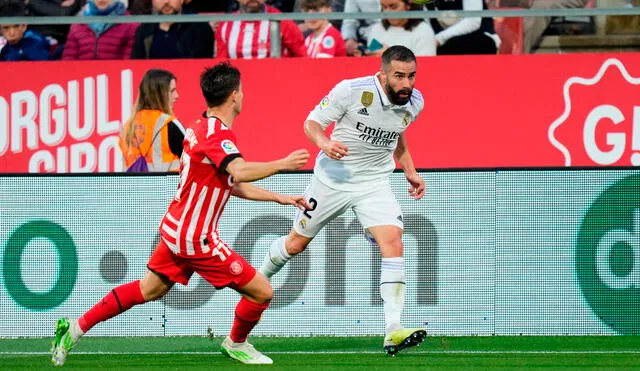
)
(248, 39)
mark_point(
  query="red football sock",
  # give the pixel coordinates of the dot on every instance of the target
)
(247, 316)
(115, 302)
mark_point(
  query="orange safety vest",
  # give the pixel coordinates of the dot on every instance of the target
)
(150, 125)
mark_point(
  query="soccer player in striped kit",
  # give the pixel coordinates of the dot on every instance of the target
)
(211, 170)
(352, 171)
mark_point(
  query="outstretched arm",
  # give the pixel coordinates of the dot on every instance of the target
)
(244, 171)
(250, 192)
(403, 157)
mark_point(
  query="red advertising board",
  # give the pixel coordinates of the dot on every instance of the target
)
(480, 111)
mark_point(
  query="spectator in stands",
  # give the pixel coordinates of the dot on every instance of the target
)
(534, 27)
(22, 44)
(415, 34)
(100, 41)
(172, 40)
(252, 39)
(57, 34)
(355, 33)
(468, 35)
(325, 41)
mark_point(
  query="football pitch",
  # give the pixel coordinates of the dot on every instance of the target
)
(336, 353)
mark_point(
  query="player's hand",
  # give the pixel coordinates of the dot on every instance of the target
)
(297, 201)
(418, 186)
(335, 150)
(296, 159)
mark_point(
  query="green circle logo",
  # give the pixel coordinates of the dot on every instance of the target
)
(608, 256)
(66, 275)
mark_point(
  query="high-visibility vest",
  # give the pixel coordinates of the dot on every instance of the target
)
(150, 139)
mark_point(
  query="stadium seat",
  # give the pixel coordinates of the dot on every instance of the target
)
(511, 32)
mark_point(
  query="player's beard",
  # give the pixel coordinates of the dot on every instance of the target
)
(394, 96)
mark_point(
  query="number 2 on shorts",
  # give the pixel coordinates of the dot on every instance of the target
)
(314, 203)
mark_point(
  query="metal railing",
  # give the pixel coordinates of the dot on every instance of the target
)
(574, 12)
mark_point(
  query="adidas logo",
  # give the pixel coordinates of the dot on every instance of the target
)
(363, 111)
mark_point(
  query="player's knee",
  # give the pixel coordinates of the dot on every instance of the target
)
(264, 295)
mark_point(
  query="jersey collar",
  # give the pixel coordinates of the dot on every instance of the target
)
(383, 96)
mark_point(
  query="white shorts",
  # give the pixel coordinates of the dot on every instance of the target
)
(373, 206)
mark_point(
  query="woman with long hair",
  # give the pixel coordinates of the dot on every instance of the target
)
(152, 139)
(414, 33)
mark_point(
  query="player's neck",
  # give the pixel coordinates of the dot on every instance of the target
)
(224, 115)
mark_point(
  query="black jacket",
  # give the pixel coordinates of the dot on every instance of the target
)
(195, 40)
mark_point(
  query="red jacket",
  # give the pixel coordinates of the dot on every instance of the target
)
(252, 39)
(115, 43)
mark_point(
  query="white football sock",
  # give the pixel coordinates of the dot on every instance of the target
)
(75, 331)
(392, 290)
(276, 258)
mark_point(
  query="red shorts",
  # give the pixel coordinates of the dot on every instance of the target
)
(234, 271)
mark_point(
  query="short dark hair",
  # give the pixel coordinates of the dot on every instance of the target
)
(307, 5)
(397, 53)
(218, 82)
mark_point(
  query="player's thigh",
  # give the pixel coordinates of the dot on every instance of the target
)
(258, 289)
(227, 269)
(378, 210)
(167, 267)
(326, 204)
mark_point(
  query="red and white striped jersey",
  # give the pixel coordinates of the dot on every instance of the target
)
(190, 225)
(328, 44)
(252, 39)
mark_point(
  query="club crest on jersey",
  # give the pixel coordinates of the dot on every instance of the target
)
(228, 147)
(235, 268)
(324, 103)
(367, 98)
(406, 119)
(328, 42)
(303, 223)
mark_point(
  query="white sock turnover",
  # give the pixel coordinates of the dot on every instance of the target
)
(276, 258)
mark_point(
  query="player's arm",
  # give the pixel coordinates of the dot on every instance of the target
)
(250, 192)
(405, 161)
(330, 109)
(245, 171)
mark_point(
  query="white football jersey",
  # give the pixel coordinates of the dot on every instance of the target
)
(369, 125)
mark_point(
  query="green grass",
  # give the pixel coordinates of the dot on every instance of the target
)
(337, 353)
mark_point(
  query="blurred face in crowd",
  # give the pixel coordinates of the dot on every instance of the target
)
(173, 92)
(168, 7)
(395, 6)
(398, 79)
(317, 24)
(252, 6)
(13, 32)
(102, 4)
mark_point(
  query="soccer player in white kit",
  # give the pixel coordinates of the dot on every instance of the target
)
(352, 172)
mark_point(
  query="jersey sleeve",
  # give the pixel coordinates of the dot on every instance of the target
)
(220, 147)
(333, 106)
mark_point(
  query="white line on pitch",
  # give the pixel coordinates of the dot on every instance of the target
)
(357, 352)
